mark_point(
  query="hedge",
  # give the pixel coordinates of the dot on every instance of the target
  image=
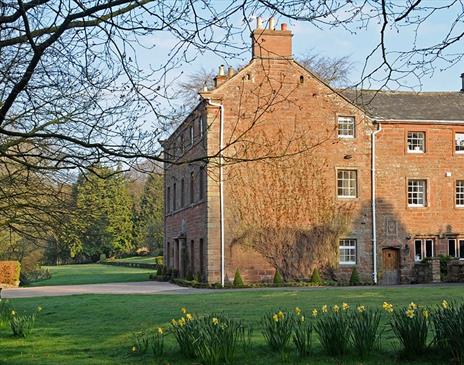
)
(9, 273)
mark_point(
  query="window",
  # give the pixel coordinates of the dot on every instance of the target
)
(182, 193)
(346, 127)
(347, 183)
(182, 143)
(168, 199)
(459, 142)
(174, 197)
(202, 258)
(201, 182)
(192, 187)
(416, 142)
(417, 193)
(192, 257)
(423, 248)
(456, 248)
(460, 193)
(347, 251)
(201, 125)
(191, 135)
(168, 254)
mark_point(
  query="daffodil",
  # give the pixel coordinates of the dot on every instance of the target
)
(275, 318)
(412, 306)
(314, 312)
(361, 308)
(215, 321)
(335, 308)
(297, 311)
(280, 314)
(425, 313)
(324, 308)
(189, 317)
(345, 306)
(445, 304)
(410, 313)
(183, 310)
(160, 330)
(173, 322)
(39, 308)
(388, 307)
(134, 349)
(182, 322)
(302, 318)
(13, 313)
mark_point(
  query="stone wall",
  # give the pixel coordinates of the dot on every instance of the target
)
(455, 271)
(427, 271)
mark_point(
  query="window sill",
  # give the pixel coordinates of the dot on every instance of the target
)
(346, 137)
(347, 263)
(416, 152)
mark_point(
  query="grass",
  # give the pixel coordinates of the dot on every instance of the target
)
(138, 259)
(92, 274)
(97, 329)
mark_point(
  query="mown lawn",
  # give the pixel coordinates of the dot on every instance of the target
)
(92, 274)
(97, 329)
(138, 259)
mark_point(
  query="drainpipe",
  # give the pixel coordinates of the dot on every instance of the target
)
(374, 205)
(221, 185)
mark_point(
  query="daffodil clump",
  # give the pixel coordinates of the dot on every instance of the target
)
(411, 326)
(365, 330)
(185, 331)
(22, 324)
(278, 328)
(302, 335)
(5, 311)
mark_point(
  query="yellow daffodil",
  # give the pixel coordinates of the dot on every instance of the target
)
(160, 330)
(13, 313)
(388, 307)
(324, 308)
(302, 318)
(134, 349)
(425, 313)
(189, 317)
(297, 311)
(410, 313)
(335, 308)
(182, 322)
(39, 308)
(173, 322)
(445, 304)
(280, 314)
(361, 309)
(412, 306)
(314, 312)
(183, 310)
(215, 321)
(345, 306)
(275, 318)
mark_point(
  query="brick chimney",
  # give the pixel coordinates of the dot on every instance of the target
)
(220, 77)
(271, 43)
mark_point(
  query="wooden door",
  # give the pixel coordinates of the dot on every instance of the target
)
(391, 266)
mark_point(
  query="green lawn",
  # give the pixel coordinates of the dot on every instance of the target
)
(92, 274)
(97, 329)
(138, 259)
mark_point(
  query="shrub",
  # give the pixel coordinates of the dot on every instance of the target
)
(315, 277)
(302, 335)
(354, 278)
(278, 329)
(277, 278)
(444, 266)
(238, 282)
(159, 260)
(448, 322)
(9, 273)
(102, 257)
(142, 251)
(333, 329)
(34, 275)
(410, 326)
(365, 332)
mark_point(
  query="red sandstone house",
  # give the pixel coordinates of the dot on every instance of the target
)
(398, 157)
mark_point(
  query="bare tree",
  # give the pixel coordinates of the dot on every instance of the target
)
(335, 71)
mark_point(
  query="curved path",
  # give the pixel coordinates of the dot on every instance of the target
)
(143, 287)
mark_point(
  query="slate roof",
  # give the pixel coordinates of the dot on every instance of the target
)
(406, 105)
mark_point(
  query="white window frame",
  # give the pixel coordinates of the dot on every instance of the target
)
(423, 246)
(201, 125)
(414, 136)
(459, 194)
(458, 253)
(349, 248)
(459, 149)
(191, 135)
(346, 127)
(349, 179)
(413, 192)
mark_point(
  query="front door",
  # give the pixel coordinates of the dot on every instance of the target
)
(391, 266)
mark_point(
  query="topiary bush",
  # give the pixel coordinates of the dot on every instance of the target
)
(9, 273)
(316, 277)
(277, 279)
(354, 278)
(238, 281)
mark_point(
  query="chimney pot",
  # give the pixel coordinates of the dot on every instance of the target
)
(271, 23)
(205, 87)
(221, 71)
(283, 27)
(230, 72)
(462, 79)
(259, 23)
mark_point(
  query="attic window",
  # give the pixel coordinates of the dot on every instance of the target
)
(346, 126)
(301, 79)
